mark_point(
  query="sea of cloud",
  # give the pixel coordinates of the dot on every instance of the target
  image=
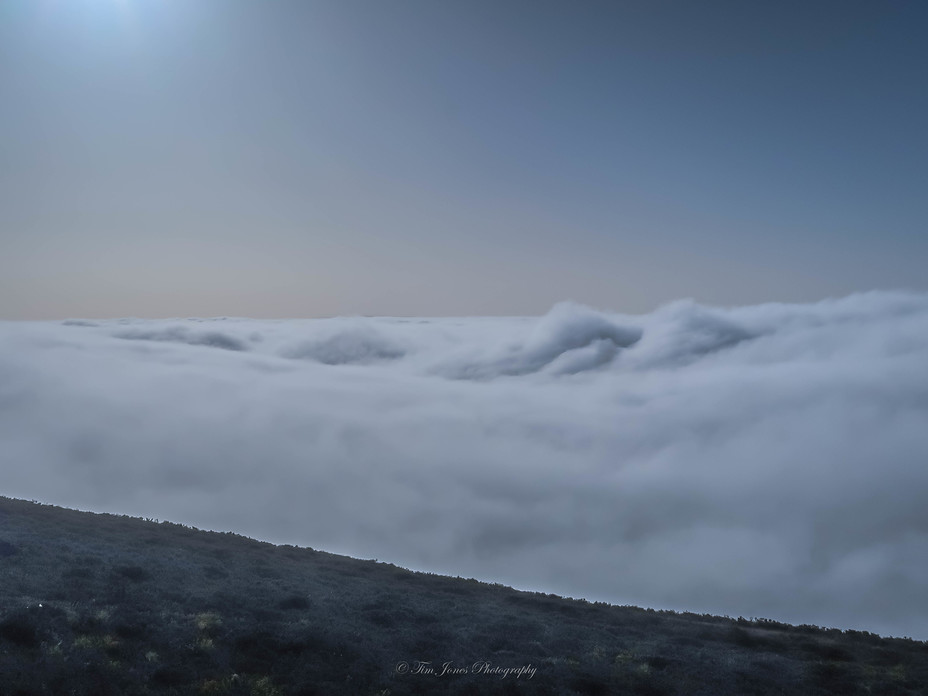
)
(767, 461)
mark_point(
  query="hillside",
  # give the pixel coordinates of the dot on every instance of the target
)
(102, 604)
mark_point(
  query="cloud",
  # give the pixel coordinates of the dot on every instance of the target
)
(356, 343)
(571, 338)
(758, 461)
(683, 332)
(180, 334)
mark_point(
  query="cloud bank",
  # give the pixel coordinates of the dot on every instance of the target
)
(759, 461)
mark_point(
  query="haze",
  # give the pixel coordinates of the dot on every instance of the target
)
(296, 159)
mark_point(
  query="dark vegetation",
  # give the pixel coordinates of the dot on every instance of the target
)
(102, 604)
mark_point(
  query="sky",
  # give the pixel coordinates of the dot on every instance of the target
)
(163, 158)
(761, 461)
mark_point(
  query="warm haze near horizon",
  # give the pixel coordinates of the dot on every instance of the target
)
(296, 159)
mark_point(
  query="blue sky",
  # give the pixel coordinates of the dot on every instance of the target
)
(167, 158)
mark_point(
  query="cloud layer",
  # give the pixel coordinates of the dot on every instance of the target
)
(757, 461)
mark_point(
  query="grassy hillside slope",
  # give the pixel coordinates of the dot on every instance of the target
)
(104, 604)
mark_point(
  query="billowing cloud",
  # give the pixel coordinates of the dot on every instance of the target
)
(757, 461)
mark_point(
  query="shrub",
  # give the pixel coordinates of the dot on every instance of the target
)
(20, 629)
(590, 687)
(133, 573)
(294, 602)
